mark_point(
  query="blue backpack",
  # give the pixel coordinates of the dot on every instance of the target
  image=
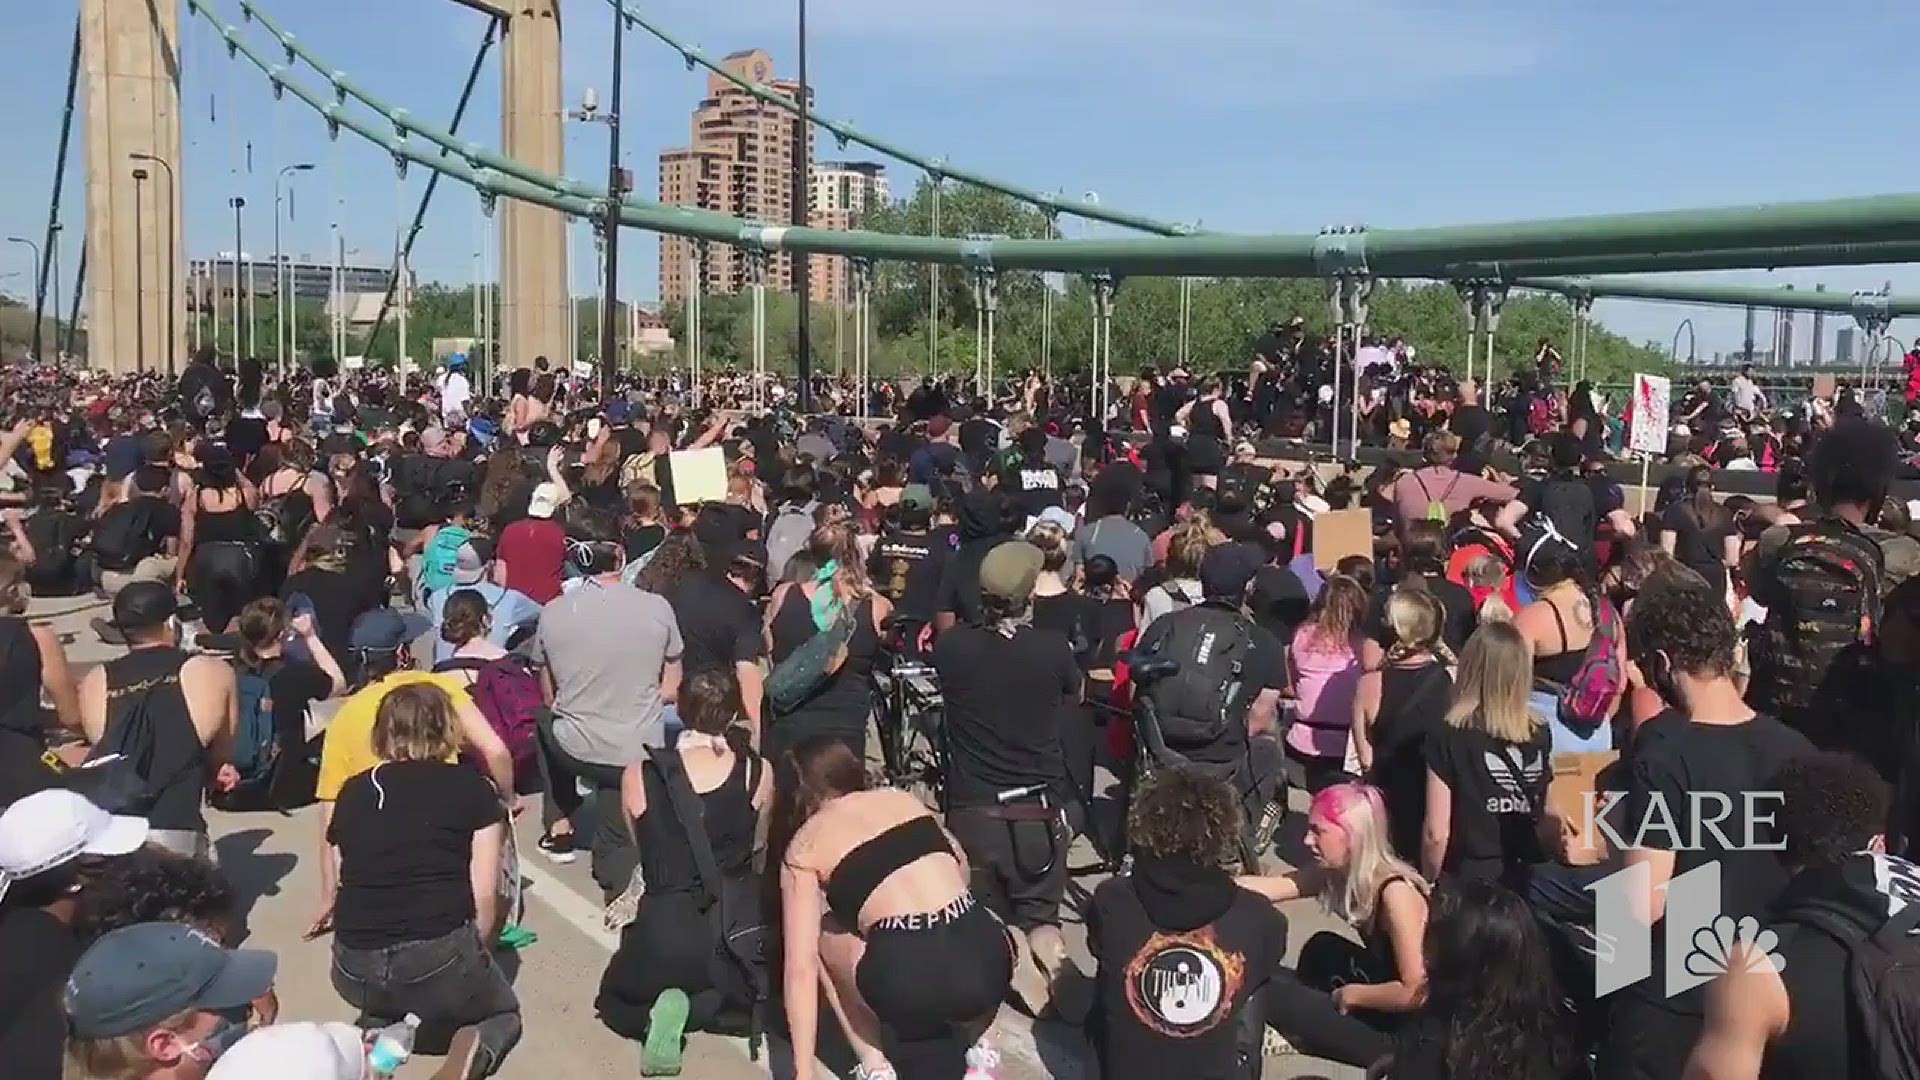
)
(255, 749)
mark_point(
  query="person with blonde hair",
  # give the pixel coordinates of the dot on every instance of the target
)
(1344, 999)
(1325, 659)
(421, 839)
(1488, 766)
(1397, 708)
(837, 599)
(1180, 588)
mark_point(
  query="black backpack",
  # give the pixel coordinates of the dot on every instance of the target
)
(1883, 987)
(1569, 505)
(124, 534)
(118, 775)
(1203, 700)
(1821, 586)
(732, 904)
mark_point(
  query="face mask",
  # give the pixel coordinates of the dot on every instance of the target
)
(216, 1042)
(1659, 672)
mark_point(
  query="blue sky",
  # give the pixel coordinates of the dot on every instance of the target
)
(1246, 115)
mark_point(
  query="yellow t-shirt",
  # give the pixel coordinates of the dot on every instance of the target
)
(347, 750)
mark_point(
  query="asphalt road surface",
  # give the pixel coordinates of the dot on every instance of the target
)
(272, 860)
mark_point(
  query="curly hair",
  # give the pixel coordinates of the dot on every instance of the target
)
(154, 885)
(1490, 986)
(1832, 805)
(1684, 617)
(1853, 463)
(677, 556)
(1186, 816)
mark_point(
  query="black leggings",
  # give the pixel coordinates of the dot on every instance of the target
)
(222, 578)
(1299, 1003)
(669, 945)
(614, 855)
(935, 990)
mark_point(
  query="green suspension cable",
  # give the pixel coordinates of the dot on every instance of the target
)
(1388, 253)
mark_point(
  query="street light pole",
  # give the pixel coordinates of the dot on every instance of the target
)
(139, 273)
(172, 278)
(616, 187)
(282, 334)
(238, 205)
(802, 263)
(35, 248)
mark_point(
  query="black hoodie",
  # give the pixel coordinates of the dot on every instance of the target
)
(982, 528)
(1181, 949)
(1820, 910)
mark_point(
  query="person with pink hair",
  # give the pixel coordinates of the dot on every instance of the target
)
(1344, 999)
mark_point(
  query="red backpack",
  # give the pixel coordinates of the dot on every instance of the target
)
(507, 692)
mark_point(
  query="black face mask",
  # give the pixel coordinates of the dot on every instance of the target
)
(1658, 671)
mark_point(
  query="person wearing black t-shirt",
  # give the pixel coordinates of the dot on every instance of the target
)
(1708, 751)
(1797, 1019)
(1246, 751)
(902, 550)
(266, 628)
(1005, 684)
(420, 840)
(1562, 499)
(52, 850)
(1699, 533)
(1424, 558)
(1032, 482)
(1487, 766)
(1181, 949)
(720, 624)
(986, 522)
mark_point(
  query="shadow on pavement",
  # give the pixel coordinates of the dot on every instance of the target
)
(252, 872)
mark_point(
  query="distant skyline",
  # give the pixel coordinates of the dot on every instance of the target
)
(1242, 115)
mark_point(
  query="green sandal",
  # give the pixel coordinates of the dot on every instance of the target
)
(666, 1034)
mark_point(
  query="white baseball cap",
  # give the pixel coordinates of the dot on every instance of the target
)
(51, 828)
(545, 500)
(302, 1051)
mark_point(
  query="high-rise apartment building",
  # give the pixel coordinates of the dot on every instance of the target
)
(739, 161)
(853, 186)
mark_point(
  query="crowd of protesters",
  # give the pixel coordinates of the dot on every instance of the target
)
(525, 594)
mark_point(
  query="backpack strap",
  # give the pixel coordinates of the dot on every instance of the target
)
(692, 817)
(462, 663)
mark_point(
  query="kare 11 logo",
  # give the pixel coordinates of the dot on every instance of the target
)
(1701, 941)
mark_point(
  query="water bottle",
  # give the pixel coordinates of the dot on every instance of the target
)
(392, 1046)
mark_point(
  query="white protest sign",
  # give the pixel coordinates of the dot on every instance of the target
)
(1650, 414)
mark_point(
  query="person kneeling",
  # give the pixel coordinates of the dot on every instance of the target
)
(420, 840)
(1182, 951)
(670, 975)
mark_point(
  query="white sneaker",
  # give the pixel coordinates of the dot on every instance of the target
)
(878, 1072)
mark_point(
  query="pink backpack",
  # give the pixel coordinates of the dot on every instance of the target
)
(1587, 700)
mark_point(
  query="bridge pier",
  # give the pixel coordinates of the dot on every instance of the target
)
(533, 239)
(135, 295)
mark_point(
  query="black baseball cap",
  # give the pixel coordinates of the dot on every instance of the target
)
(137, 976)
(143, 605)
(1227, 570)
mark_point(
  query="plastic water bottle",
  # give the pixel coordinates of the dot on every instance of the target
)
(393, 1046)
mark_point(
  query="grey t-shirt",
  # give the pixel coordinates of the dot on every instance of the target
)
(1127, 544)
(606, 646)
